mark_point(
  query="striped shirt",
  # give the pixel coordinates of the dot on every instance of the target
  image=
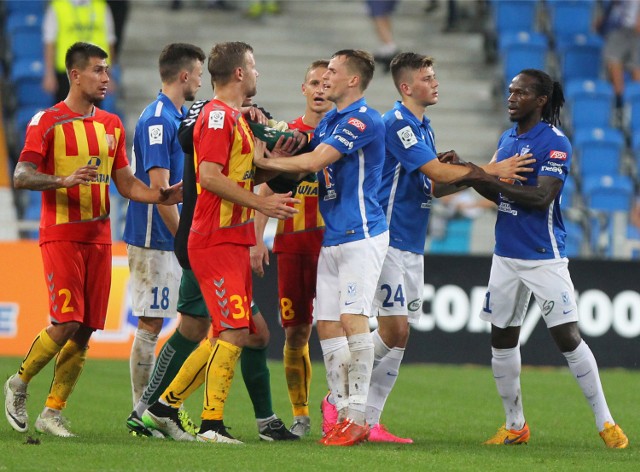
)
(60, 141)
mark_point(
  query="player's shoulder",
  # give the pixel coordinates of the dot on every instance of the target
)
(556, 137)
(216, 114)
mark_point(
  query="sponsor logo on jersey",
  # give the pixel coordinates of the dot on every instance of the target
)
(506, 208)
(155, 134)
(561, 156)
(349, 133)
(357, 123)
(248, 175)
(551, 168)
(216, 119)
(407, 138)
(308, 190)
(415, 305)
(345, 142)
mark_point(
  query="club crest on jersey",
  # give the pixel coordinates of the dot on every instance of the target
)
(559, 155)
(407, 138)
(525, 149)
(216, 119)
(357, 123)
(155, 134)
(111, 141)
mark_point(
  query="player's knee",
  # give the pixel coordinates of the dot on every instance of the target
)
(194, 328)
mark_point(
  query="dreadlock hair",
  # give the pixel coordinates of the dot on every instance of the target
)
(545, 86)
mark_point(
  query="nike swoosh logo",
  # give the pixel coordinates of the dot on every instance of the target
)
(348, 303)
(392, 374)
(141, 364)
(511, 441)
(566, 312)
(19, 423)
(579, 376)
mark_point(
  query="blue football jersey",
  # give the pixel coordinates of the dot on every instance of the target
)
(155, 144)
(405, 194)
(526, 233)
(349, 187)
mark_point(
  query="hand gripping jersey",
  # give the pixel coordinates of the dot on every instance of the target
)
(525, 233)
(222, 136)
(349, 187)
(155, 144)
(60, 141)
(405, 194)
(302, 233)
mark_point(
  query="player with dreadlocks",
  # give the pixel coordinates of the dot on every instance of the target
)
(530, 257)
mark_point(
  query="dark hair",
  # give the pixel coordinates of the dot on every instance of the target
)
(408, 61)
(545, 86)
(79, 53)
(225, 58)
(360, 62)
(176, 57)
(315, 65)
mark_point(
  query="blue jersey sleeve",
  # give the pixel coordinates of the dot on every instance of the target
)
(352, 133)
(157, 136)
(556, 160)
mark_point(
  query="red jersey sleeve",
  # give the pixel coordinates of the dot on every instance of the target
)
(36, 143)
(216, 138)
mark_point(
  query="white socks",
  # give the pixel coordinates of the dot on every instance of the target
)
(141, 362)
(584, 368)
(386, 364)
(360, 368)
(336, 361)
(506, 365)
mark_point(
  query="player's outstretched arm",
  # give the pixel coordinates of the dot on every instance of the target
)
(511, 168)
(26, 176)
(132, 188)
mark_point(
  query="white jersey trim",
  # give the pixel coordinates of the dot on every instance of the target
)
(392, 193)
(552, 236)
(159, 106)
(147, 237)
(361, 202)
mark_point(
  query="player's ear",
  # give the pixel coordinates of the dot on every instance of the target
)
(542, 100)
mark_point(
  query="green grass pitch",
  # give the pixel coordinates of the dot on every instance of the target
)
(447, 410)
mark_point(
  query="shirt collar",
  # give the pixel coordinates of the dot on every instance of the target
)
(408, 115)
(171, 107)
(532, 133)
(361, 102)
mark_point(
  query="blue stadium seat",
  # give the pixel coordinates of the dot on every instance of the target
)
(27, 45)
(23, 21)
(30, 93)
(632, 104)
(580, 57)
(25, 6)
(590, 103)
(457, 239)
(514, 15)
(570, 17)
(599, 151)
(608, 192)
(27, 69)
(523, 50)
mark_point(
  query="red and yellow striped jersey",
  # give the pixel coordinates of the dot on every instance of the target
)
(302, 233)
(60, 141)
(222, 136)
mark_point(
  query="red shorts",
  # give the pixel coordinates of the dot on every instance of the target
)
(78, 278)
(224, 274)
(297, 288)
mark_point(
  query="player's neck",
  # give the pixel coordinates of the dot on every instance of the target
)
(175, 94)
(230, 96)
(311, 118)
(348, 99)
(416, 109)
(79, 105)
(528, 123)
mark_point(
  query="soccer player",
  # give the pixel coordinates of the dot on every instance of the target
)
(253, 360)
(348, 154)
(411, 170)
(72, 151)
(530, 257)
(222, 229)
(149, 230)
(297, 244)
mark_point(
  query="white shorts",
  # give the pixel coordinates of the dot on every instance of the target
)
(154, 282)
(399, 290)
(511, 283)
(347, 277)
